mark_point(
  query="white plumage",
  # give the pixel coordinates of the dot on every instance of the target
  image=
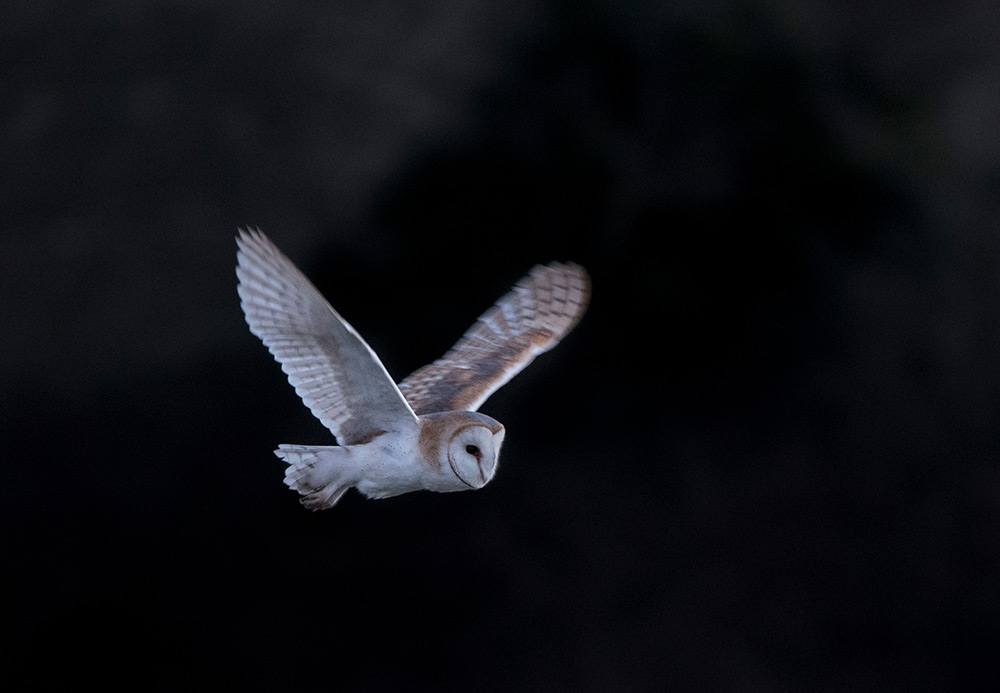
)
(424, 433)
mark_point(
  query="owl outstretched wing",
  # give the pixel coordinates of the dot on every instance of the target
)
(531, 319)
(332, 369)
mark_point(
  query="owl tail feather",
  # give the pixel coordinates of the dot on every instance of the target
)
(321, 474)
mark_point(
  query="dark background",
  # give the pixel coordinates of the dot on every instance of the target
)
(767, 459)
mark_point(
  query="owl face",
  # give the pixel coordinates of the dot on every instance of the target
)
(473, 453)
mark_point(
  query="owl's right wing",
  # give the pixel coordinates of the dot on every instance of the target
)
(529, 320)
(332, 369)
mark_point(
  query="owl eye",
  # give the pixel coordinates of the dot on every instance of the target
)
(472, 450)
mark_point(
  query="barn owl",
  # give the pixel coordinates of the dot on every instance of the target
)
(425, 432)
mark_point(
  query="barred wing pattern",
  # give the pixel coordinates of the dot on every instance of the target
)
(332, 369)
(530, 320)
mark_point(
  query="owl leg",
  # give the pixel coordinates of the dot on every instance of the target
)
(321, 474)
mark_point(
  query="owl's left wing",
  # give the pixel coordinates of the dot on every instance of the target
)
(530, 320)
(331, 367)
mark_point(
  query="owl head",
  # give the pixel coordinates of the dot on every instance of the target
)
(473, 449)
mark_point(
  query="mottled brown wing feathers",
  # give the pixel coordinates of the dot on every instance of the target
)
(531, 319)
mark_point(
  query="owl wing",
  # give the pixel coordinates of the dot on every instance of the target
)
(528, 321)
(332, 369)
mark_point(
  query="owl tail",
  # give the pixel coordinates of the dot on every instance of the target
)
(321, 474)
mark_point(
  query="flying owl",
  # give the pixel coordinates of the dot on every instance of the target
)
(423, 433)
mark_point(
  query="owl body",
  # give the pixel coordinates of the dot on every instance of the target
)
(423, 434)
(448, 451)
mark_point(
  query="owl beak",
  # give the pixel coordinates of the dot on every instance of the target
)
(497, 442)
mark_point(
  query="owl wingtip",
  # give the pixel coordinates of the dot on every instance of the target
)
(249, 233)
(564, 267)
(577, 272)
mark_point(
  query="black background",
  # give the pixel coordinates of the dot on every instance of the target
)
(766, 459)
